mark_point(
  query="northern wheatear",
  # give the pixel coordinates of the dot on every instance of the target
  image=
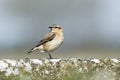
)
(51, 41)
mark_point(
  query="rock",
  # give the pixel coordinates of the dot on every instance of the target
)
(58, 69)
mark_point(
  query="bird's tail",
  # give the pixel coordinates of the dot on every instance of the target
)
(31, 50)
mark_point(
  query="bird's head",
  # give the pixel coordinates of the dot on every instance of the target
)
(55, 27)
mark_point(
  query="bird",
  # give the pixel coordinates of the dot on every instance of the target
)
(51, 41)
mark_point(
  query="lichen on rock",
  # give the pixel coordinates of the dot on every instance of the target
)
(60, 69)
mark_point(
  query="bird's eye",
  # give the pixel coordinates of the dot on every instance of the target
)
(59, 27)
(55, 27)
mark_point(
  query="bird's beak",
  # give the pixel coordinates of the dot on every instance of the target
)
(50, 27)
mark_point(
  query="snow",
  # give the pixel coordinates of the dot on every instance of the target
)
(80, 70)
(16, 71)
(85, 61)
(47, 72)
(95, 60)
(55, 61)
(36, 61)
(3, 65)
(28, 67)
(11, 62)
(11, 70)
(115, 60)
(19, 64)
(46, 61)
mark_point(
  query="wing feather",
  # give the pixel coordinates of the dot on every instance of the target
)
(50, 36)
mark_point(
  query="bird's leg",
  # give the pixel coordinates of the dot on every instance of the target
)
(49, 55)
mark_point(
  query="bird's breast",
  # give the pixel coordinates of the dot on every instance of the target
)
(54, 44)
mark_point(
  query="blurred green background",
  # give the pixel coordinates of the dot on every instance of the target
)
(91, 27)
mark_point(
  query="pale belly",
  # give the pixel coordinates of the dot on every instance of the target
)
(52, 45)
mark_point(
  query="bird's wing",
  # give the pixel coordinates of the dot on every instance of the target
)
(50, 36)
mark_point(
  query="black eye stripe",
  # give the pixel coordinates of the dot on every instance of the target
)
(55, 27)
(59, 27)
